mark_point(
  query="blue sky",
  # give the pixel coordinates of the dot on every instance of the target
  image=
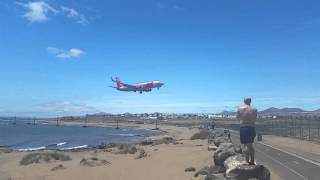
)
(56, 57)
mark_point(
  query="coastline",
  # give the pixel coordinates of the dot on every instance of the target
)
(79, 136)
(162, 161)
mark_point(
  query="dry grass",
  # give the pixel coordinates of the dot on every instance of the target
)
(43, 157)
(203, 134)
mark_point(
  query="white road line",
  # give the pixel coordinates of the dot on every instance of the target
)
(295, 172)
(292, 154)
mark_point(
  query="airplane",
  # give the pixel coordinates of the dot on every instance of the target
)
(139, 87)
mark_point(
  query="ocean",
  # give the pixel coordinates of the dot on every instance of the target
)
(25, 136)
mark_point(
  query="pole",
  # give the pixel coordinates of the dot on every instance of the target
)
(301, 129)
(117, 123)
(294, 127)
(309, 138)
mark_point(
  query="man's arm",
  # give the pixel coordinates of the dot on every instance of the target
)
(238, 114)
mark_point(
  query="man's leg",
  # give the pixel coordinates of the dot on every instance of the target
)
(246, 152)
(251, 152)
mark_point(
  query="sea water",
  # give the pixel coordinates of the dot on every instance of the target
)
(26, 136)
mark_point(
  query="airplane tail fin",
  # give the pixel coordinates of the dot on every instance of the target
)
(117, 81)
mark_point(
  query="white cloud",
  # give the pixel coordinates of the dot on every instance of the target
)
(60, 53)
(38, 11)
(72, 13)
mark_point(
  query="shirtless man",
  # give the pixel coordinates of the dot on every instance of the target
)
(247, 115)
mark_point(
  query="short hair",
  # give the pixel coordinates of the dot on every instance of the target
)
(247, 101)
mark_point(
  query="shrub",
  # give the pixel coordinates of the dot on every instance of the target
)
(43, 157)
(203, 134)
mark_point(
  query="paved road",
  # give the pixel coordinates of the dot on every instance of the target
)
(286, 165)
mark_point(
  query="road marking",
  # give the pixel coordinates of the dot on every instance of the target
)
(292, 154)
(295, 172)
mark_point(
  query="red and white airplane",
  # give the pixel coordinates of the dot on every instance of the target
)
(140, 87)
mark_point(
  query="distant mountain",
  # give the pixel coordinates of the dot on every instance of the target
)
(273, 110)
(318, 110)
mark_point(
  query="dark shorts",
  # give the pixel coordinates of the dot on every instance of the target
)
(247, 134)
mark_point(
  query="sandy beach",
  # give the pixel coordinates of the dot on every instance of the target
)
(163, 161)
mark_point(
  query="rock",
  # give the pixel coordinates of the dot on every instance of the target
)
(59, 167)
(245, 171)
(203, 171)
(217, 169)
(190, 169)
(209, 177)
(146, 142)
(210, 170)
(234, 161)
(142, 154)
(237, 168)
(93, 162)
(214, 177)
(224, 151)
(212, 147)
(106, 146)
(127, 149)
(218, 140)
(238, 149)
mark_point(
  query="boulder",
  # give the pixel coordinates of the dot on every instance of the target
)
(214, 177)
(233, 161)
(212, 147)
(218, 140)
(210, 170)
(245, 171)
(237, 168)
(224, 151)
(238, 149)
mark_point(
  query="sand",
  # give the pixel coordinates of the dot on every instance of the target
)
(164, 161)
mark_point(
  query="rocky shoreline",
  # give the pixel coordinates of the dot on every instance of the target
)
(229, 162)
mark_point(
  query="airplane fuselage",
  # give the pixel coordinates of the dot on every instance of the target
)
(138, 87)
(146, 86)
